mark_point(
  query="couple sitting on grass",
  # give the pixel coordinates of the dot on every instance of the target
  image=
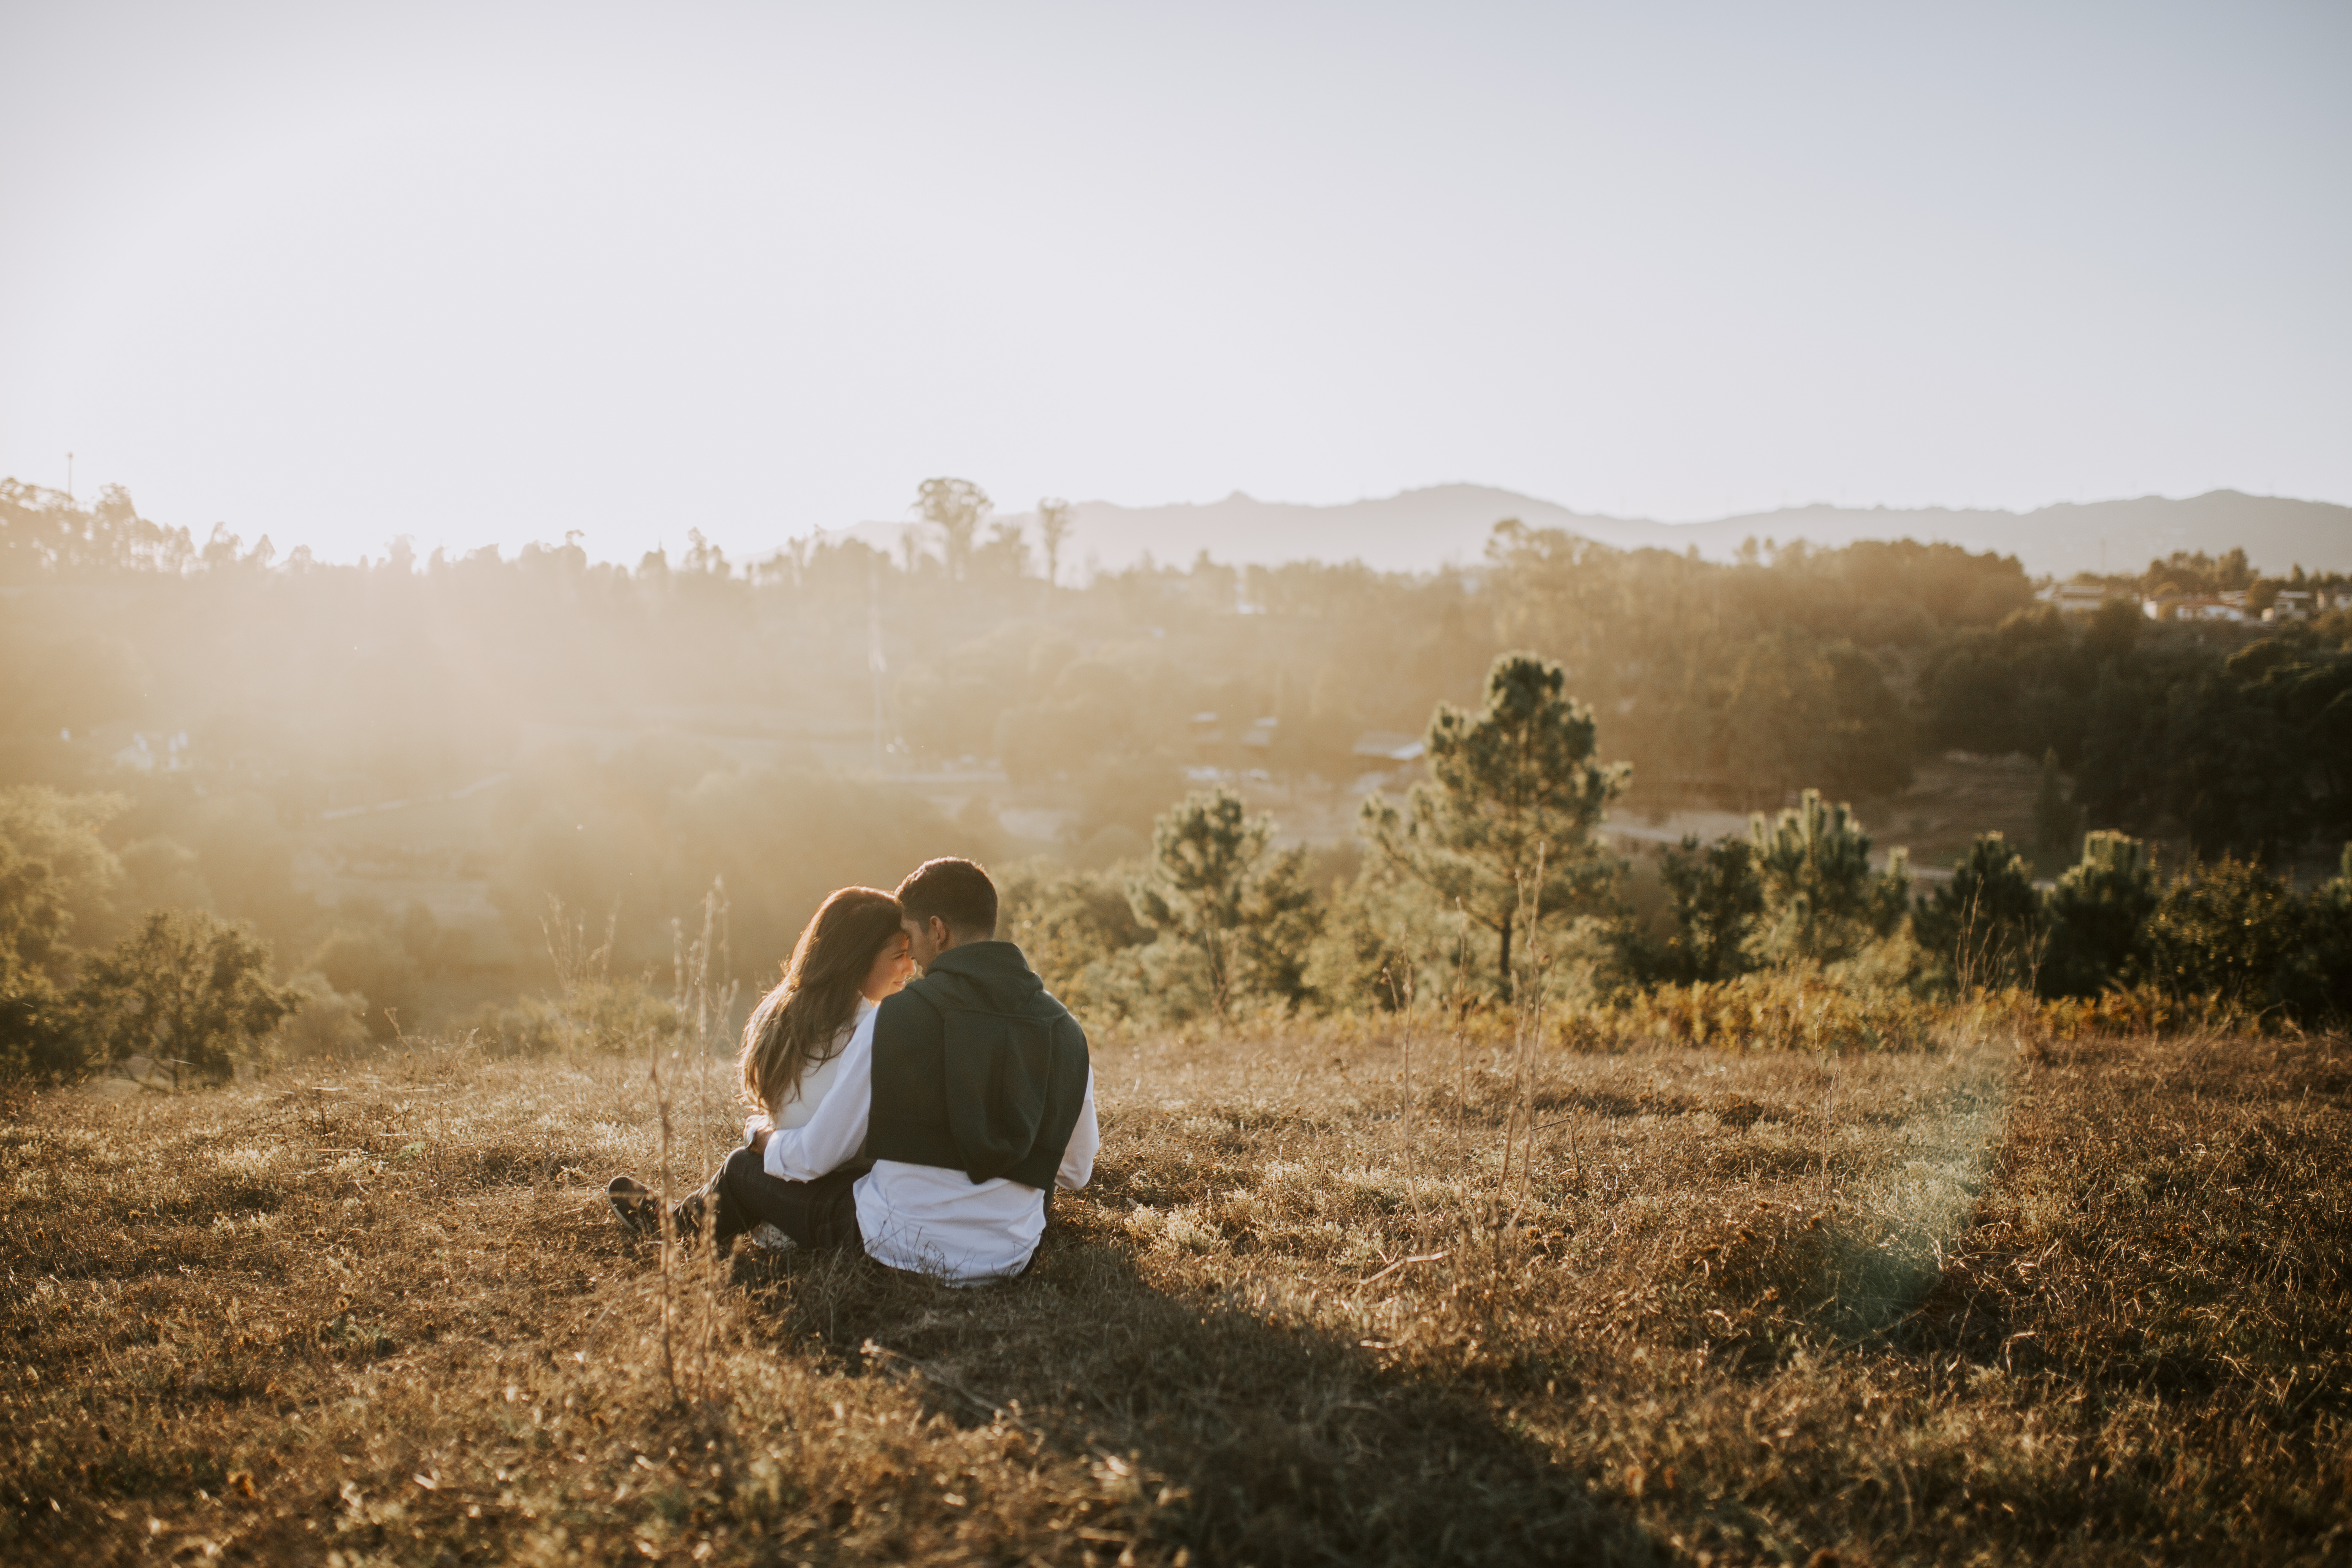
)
(922, 1121)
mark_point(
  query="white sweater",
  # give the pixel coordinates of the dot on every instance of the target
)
(799, 1107)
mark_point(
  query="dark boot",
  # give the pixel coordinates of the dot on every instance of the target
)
(635, 1205)
(638, 1206)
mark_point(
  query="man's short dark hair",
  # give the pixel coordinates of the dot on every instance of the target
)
(957, 891)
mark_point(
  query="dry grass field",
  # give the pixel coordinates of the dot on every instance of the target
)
(1335, 1296)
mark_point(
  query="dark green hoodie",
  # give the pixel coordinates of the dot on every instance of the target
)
(978, 1069)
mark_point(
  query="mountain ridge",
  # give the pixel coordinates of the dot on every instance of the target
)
(1435, 526)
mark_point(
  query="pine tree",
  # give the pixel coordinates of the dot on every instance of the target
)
(1987, 921)
(1217, 886)
(1511, 786)
(1053, 518)
(1821, 901)
(956, 508)
(1717, 897)
(2098, 916)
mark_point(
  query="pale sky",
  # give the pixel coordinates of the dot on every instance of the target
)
(483, 273)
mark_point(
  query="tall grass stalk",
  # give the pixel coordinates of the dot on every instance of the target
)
(702, 997)
(704, 1001)
(1530, 981)
(1402, 979)
(669, 1294)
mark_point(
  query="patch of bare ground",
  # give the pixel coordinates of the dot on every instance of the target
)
(1954, 797)
(1331, 1298)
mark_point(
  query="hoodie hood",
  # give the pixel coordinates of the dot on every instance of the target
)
(991, 973)
(977, 1068)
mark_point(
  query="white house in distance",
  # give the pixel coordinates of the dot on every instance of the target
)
(2195, 607)
(2302, 604)
(2229, 606)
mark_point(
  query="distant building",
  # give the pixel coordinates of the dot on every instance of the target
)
(2195, 607)
(2306, 603)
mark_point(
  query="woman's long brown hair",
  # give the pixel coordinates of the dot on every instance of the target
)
(793, 1028)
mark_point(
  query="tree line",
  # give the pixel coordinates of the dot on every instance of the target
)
(1485, 881)
(1497, 848)
(1729, 684)
(606, 711)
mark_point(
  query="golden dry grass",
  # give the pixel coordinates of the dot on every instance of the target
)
(1966, 1305)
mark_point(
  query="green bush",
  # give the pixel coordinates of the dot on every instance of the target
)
(55, 875)
(36, 1035)
(2234, 931)
(2328, 941)
(1073, 926)
(324, 1022)
(186, 987)
(1386, 940)
(532, 1027)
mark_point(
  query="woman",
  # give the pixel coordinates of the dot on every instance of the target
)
(852, 953)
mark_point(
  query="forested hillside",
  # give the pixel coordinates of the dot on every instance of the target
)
(389, 769)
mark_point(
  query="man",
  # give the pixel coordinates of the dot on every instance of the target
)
(969, 1092)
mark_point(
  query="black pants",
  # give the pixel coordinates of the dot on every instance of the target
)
(740, 1194)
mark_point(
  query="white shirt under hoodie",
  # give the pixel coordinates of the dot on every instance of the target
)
(918, 1218)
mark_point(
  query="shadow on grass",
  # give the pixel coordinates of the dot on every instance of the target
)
(1276, 1443)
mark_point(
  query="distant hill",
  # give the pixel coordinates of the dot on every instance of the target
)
(1423, 528)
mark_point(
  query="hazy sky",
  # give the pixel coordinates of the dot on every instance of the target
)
(484, 273)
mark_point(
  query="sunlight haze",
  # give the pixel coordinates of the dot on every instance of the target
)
(487, 274)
